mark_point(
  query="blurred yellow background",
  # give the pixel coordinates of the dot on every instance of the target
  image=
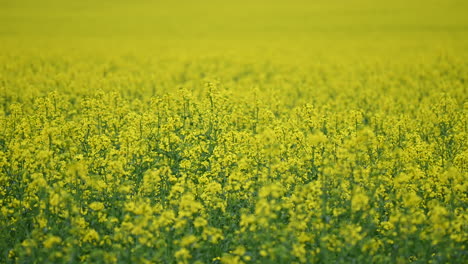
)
(330, 26)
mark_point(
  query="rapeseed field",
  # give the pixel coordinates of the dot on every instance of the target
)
(239, 132)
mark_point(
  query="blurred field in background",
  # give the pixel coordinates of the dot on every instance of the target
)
(294, 35)
(313, 26)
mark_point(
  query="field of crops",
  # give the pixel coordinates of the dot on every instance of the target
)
(243, 132)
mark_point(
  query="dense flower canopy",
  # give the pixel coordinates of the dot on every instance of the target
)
(230, 144)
